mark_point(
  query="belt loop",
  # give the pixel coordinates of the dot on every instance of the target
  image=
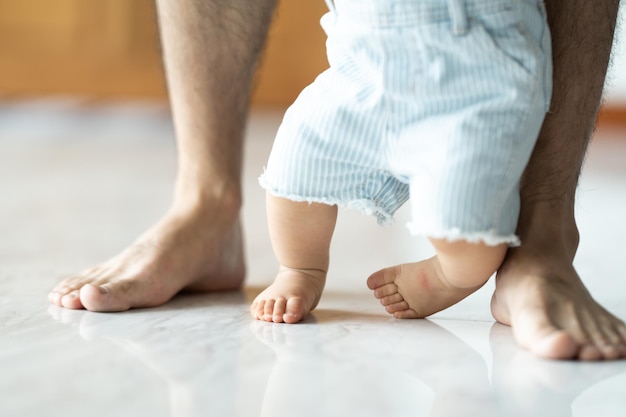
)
(458, 16)
(331, 6)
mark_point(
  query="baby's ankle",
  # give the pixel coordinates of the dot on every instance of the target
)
(312, 273)
(454, 280)
(469, 266)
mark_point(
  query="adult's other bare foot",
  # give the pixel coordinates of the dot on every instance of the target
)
(183, 251)
(539, 293)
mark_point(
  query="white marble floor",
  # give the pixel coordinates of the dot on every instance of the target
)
(79, 183)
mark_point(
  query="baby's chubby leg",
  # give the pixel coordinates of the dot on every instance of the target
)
(419, 289)
(301, 233)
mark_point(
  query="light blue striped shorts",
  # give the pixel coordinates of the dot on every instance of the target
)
(437, 100)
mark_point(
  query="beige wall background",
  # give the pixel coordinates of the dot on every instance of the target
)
(110, 49)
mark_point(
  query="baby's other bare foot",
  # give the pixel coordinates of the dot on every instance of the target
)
(291, 297)
(193, 251)
(415, 290)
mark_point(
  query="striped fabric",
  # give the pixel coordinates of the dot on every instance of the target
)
(437, 100)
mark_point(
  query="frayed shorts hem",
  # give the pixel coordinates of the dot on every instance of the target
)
(365, 206)
(489, 237)
(384, 217)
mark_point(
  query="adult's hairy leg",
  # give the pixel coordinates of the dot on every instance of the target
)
(538, 291)
(211, 49)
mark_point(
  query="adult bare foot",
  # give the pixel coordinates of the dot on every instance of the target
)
(416, 290)
(209, 67)
(291, 297)
(540, 295)
(182, 251)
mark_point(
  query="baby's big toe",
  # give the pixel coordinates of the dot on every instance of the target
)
(295, 310)
(381, 278)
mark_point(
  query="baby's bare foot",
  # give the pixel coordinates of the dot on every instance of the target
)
(191, 252)
(291, 297)
(415, 290)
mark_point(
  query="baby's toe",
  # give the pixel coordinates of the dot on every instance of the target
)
(280, 306)
(295, 310)
(396, 307)
(406, 314)
(386, 290)
(268, 309)
(391, 299)
(257, 308)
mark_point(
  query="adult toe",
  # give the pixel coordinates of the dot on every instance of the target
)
(117, 296)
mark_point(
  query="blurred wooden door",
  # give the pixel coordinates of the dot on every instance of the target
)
(110, 48)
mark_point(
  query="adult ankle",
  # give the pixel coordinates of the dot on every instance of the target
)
(220, 203)
(549, 227)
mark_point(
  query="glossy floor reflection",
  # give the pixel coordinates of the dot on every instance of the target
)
(73, 198)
